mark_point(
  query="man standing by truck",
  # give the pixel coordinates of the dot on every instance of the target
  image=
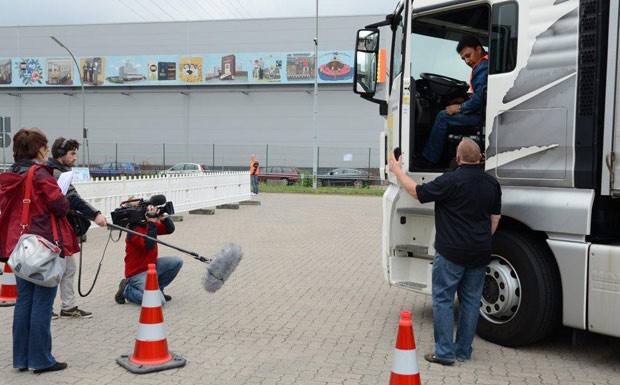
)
(467, 212)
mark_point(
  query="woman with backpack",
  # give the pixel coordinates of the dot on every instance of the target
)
(32, 336)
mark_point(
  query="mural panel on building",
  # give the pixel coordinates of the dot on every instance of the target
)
(196, 69)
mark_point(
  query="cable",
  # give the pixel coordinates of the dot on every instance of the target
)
(154, 2)
(132, 10)
(152, 14)
(98, 269)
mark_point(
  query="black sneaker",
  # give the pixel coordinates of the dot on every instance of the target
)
(74, 312)
(167, 298)
(54, 315)
(57, 366)
(119, 297)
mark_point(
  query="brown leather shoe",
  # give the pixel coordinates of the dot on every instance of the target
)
(431, 357)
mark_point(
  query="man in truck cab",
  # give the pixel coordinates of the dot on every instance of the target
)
(465, 114)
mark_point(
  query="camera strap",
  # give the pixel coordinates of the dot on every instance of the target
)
(80, 264)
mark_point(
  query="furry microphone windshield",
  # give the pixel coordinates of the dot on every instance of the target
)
(221, 267)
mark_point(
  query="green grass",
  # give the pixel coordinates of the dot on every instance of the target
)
(372, 191)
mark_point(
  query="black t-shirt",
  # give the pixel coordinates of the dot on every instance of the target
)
(464, 200)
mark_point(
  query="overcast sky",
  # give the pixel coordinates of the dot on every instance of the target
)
(53, 12)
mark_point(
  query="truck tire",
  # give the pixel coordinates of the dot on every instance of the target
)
(522, 296)
(286, 182)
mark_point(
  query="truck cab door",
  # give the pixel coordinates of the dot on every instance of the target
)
(399, 91)
(610, 181)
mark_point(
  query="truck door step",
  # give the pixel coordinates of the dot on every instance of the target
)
(414, 251)
(411, 285)
(415, 211)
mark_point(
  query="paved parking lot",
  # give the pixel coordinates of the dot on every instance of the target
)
(307, 306)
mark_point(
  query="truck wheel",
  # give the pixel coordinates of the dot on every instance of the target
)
(522, 294)
(358, 183)
(286, 182)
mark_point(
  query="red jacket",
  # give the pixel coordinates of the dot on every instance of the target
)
(139, 251)
(46, 199)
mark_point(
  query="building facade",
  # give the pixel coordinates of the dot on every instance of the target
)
(218, 125)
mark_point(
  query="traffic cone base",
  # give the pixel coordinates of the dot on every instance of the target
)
(175, 362)
(8, 288)
(151, 349)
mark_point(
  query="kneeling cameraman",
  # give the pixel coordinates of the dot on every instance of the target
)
(140, 252)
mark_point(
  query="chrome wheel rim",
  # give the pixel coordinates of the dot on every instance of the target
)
(501, 295)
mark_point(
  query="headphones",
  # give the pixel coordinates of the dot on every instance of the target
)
(61, 150)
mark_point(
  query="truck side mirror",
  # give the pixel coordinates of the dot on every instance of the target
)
(366, 57)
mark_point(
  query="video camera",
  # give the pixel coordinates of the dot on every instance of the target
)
(133, 211)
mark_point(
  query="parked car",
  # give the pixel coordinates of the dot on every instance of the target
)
(115, 169)
(344, 176)
(185, 168)
(288, 174)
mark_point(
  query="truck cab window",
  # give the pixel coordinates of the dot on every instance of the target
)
(504, 32)
(397, 51)
(444, 84)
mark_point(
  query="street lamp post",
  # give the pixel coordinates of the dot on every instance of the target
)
(85, 152)
(315, 157)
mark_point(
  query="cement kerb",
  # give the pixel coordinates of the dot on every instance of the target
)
(205, 211)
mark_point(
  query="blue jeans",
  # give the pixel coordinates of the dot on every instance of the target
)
(437, 138)
(254, 180)
(448, 279)
(32, 318)
(167, 269)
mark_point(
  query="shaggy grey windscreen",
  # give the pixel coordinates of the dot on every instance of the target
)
(221, 267)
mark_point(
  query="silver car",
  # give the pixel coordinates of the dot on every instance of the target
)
(185, 168)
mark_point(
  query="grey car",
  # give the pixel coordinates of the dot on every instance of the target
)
(344, 176)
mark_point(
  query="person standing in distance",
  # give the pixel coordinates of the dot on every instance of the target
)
(64, 153)
(254, 173)
(467, 213)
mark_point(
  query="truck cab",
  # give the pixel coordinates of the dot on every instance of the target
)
(547, 130)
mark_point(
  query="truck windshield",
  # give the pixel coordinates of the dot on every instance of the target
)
(444, 59)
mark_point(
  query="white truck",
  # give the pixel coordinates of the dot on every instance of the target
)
(550, 132)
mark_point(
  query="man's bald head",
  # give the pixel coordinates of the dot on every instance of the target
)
(468, 151)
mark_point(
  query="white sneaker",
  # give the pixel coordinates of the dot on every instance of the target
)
(253, 193)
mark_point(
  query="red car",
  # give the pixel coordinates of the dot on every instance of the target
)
(289, 174)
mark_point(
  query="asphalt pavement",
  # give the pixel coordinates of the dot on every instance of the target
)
(307, 306)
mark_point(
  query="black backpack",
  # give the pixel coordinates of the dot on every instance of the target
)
(79, 222)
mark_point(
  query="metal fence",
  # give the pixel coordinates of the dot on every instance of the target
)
(220, 157)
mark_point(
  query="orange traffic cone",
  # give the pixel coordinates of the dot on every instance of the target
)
(8, 290)
(151, 350)
(405, 367)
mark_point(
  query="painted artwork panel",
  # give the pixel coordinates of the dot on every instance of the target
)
(126, 70)
(190, 69)
(300, 66)
(29, 71)
(227, 68)
(266, 67)
(59, 72)
(6, 71)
